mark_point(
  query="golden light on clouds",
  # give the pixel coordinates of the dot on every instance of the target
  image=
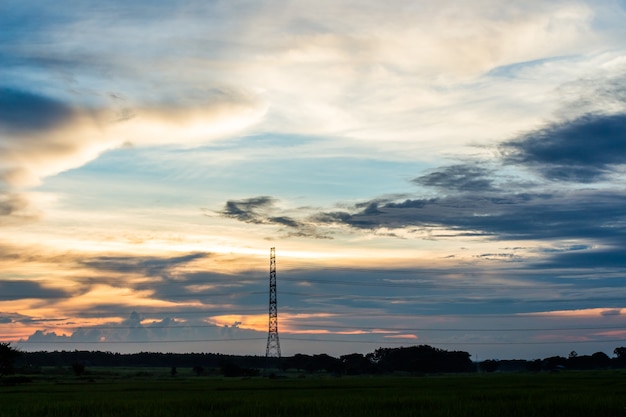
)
(187, 127)
(256, 322)
(402, 336)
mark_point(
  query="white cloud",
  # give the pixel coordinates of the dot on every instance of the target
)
(31, 155)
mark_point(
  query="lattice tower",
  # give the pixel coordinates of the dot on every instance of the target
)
(273, 343)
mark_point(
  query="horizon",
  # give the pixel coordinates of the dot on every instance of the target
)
(430, 174)
(572, 355)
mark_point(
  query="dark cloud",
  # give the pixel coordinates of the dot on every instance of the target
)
(285, 221)
(563, 215)
(209, 288)
(337, 217)
(262, 210)
(498, 256)
(258, 210)
(358, 220)
(147, 266)
(23, 111)
(249, 210)
(12, 204)
(584, 150)
(408, 203)
(615, 312)
(466, 289)
(605, 257)
(464, 178)
(16, 290)
(567, 248)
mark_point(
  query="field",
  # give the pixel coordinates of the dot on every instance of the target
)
(155, 393)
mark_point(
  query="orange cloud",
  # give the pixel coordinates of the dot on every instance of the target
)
(588, 312)
(402, 336)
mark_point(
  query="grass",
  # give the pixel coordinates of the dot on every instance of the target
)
(567, 394)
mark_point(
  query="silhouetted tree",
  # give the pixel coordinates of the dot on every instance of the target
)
(299, 361)
(601, 360)
(490, 365)
(598, 360)
(421, 358)
(324, 362)
(554, 363)
(8, 355)
(534, 366)
(356, 364)
(620, 353)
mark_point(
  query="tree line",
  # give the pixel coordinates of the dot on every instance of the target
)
(422, 359)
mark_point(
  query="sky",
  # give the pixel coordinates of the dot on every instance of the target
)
(438, 173)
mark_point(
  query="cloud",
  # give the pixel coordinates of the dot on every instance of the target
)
(131, 334)
(276, 51)
(499, 203)
(611, 312)
(23, 112)
(557, 215)
(262, 210)
(190, 118)
(254, 72)
(373, 302)
(606, 257)
(15, 208)
(7, 318)
(42, 136)
(106, 285)
(465, 178)
(147, 266)
(586, 149)
(17, 290)
(250, 210)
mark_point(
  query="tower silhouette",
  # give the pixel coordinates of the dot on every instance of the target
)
(273, 344)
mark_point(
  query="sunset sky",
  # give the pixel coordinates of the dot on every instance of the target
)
(439, 173)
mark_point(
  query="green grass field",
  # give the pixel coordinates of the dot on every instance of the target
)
(128, 393)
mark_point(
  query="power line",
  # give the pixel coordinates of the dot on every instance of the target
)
(560, 342)
(345, 327)
(123, 342)
(327, 340)
(191, 295)
(388, 284)
(462, 329)
(172, 313)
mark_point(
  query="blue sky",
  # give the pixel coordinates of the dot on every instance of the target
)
(439, 174)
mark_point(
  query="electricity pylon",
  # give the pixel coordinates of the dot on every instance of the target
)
(273, 344)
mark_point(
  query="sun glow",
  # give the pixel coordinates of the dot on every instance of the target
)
(256, 322)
